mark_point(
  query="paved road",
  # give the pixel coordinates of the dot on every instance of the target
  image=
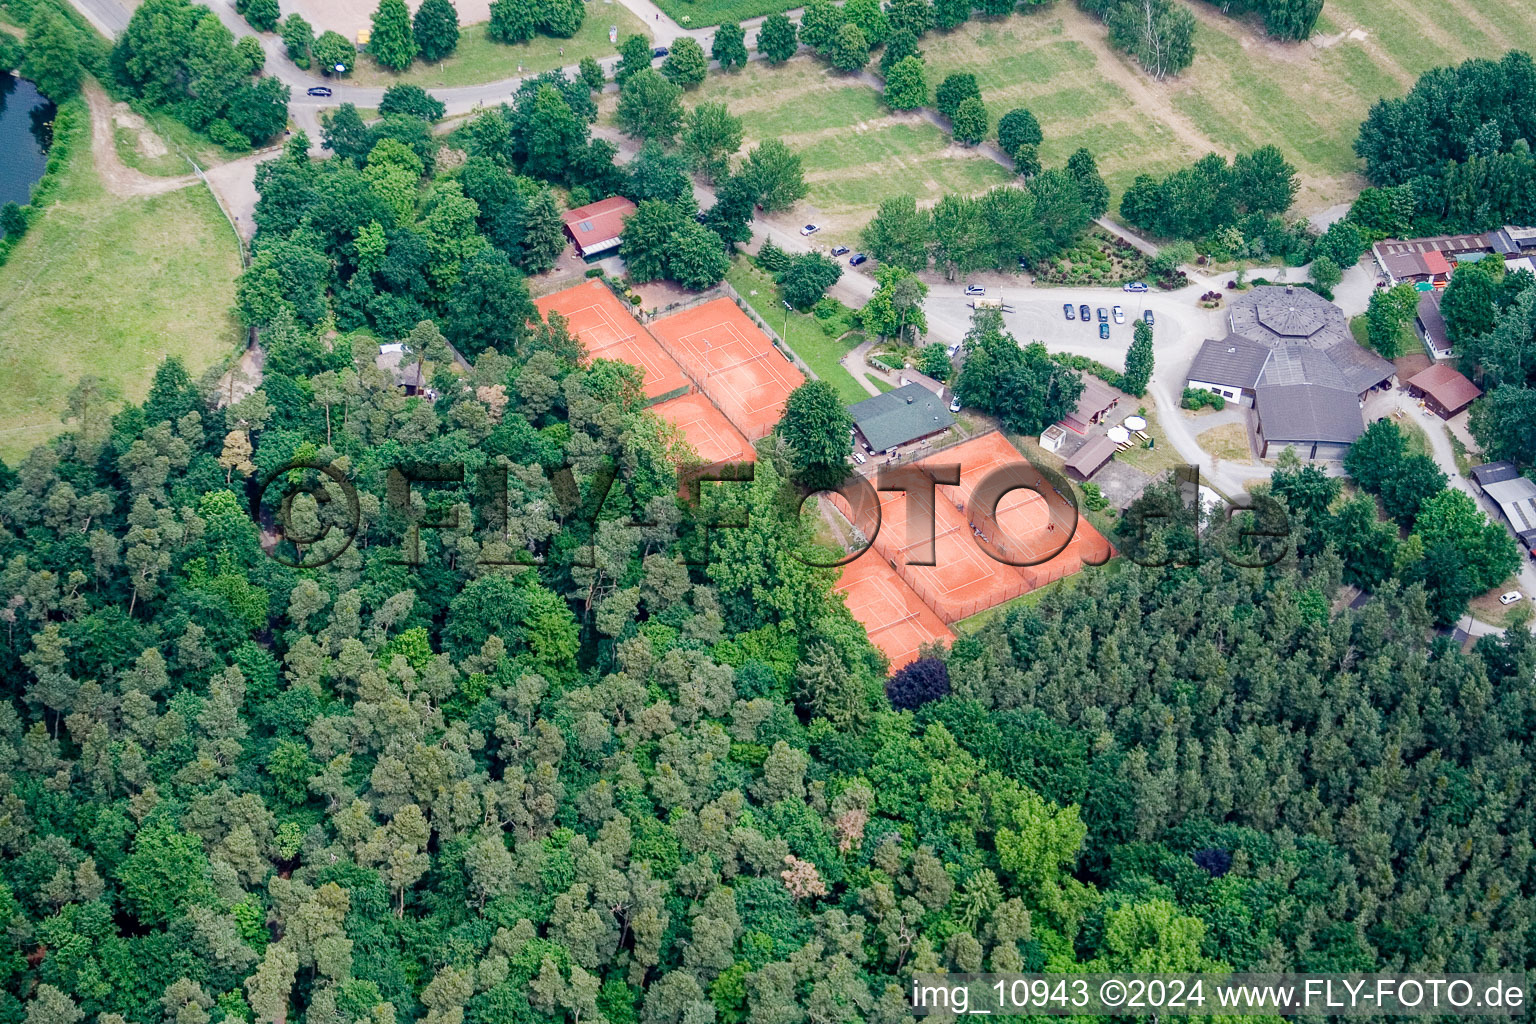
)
(111, 17)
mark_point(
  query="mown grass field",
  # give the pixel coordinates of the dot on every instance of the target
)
(108, 286)
(854, 150)
(1242, 91)
(479, 59)
(698, 13)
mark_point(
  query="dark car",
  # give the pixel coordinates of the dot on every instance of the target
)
(1084, 313)
(839, 250)
(1104, 331)
(1066, 311)
(317, 90)
(856, 259)
(660, 51)
(1103, 315)
(1146, 315)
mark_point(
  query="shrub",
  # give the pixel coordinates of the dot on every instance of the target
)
(226, 135)
(1199, 398)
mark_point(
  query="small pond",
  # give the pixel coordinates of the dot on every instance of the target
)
(26, 130)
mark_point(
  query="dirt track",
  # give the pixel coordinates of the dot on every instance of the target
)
(118, 178)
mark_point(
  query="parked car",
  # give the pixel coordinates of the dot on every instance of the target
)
(810, 229)
(318, 90)
(1136, 286)
(1119, 315)
(1067, 311)
(954, 406)
(975, 289)
(839, 250)
(953, 350)
(856, 259)
(1511, 597)
(1104, 331)
(1146, 315)
(1084, 313)
(1103, 315)
(660, 51)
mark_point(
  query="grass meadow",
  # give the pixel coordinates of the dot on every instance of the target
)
(855, 151)
(698, 13)
(1243, 90)
(108, 286)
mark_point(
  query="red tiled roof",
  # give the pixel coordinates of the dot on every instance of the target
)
(1436, 263)
(599, 222)
(1446, 386)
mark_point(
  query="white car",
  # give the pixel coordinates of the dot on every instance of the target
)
(810, 229)
(1511, 597)
(954, 406)
(975, 289)
(1119, 315)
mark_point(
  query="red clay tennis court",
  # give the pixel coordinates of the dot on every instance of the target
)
(608, 331)
(896, 619)
(732, 362)
(964, 579)
(1025, 526)
(706, 428)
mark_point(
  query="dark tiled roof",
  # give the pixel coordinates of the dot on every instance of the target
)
(1233, 361)
(1094, 453)
(1494, 472)
(1307, 412)
(1362, 369)
(1430, 318)
(1097, 397)
(1280, 315)
(899, 416)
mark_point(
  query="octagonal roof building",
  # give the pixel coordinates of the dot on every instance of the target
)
(1277, 315)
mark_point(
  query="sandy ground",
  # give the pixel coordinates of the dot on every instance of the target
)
(351, 16)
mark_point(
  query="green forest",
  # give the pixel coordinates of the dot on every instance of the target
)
(337, 702)
(514, 733)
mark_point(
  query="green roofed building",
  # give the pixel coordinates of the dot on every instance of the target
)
(910, 413)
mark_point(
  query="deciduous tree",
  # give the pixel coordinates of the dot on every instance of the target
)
(776, 175)
(777, 39)
(711, 136)
(729, 46)
(436, 29)
(906, 84)
(819, 432)
(649, 107)
(686, 65)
